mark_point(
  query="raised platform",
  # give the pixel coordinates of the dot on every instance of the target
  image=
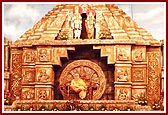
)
(81, 105)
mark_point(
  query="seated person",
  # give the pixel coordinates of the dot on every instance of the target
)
(79, 86)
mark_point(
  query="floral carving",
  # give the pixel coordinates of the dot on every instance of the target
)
(153, 76)
(16, 75)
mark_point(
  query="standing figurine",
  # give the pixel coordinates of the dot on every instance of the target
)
(76, 23)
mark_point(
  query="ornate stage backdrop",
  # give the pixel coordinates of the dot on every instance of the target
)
(116, 59)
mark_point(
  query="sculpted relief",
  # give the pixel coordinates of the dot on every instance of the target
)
(44, 55)
(28, 75)
(122, 74)
(123, 94)
(123, 54)
(43, 75)
(28, 94)
(29, 56)
(139, 53)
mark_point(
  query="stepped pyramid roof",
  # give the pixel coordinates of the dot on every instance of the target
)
(110, 18)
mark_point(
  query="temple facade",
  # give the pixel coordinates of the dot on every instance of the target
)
(118, 60)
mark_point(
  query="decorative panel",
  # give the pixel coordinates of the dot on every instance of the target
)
(28, 93)
(123, 53)
(29, 56)
(139, 74)
(28, 74)
(153, 69)
(16, 75)
(138, 53)
(122, 92)
(44, 92)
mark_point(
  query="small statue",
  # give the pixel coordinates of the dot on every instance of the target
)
(90, 23)
(77, 23)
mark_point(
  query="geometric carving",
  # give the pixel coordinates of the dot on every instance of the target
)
(138, 53)
(123, 53)
(153, 68)
(138, 74)
(28, 93)
(29, 56)
(90, 72)
(44, 55)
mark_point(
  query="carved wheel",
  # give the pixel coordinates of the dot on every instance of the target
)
(90, 72)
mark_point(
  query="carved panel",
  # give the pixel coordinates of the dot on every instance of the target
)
(44, 75)
(139, 53)
(90, 72)
(44, 54)
(122, 93)
(138, 74)
(28, 75)
(16, 72)
(122, 73)
(153, 68)
(123, 53)
(44, 92)
(28, 93)
(29, 56)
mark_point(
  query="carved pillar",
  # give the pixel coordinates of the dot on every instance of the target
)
(16, 73)
(153, 73)
(6, 64)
